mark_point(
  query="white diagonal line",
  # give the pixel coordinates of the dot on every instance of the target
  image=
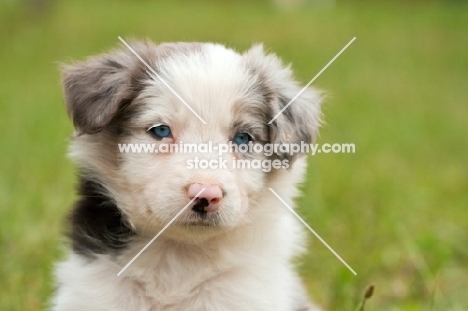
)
(313, 79)
(312, 230)
(162, 80)
(160, 232)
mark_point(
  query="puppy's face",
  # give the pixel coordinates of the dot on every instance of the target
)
(114, 100)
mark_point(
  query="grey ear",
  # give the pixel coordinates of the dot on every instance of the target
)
(300, 121)
(97, 88)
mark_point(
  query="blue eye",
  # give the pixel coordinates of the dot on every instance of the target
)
(161, 131)
(242, 138)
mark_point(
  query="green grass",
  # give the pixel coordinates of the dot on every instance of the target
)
(396, 210)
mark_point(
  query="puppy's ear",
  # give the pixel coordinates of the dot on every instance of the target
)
(97, 88)
(300, 121)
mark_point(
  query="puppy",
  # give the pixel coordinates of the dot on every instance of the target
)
(231, 247)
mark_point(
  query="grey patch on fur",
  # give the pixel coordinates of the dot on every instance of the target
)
(97, 89)
(301, 120)
(251, 118)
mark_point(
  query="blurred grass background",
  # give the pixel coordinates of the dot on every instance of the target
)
(396, 210)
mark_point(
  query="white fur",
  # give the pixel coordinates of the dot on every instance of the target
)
(246, 265)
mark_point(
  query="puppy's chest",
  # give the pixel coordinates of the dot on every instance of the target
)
(198, 283)
(188, 290)
(170, 279)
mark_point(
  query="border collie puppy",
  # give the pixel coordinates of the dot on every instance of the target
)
(231, 247)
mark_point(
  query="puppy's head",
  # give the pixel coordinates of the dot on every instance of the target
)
(199, 94)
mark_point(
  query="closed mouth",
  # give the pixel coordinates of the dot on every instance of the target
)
(202, 220)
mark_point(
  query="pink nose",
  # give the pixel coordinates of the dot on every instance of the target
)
(208, 200)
